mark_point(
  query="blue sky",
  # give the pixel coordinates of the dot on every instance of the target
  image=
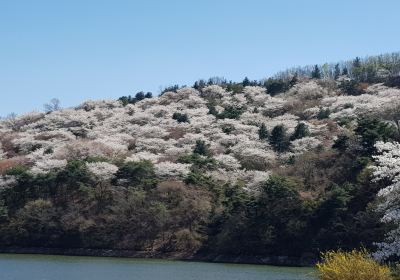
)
(92, 49)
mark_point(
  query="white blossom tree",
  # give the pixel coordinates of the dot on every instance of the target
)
(102, 170)
(388, 168)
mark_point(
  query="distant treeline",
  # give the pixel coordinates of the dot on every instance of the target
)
(383, 68)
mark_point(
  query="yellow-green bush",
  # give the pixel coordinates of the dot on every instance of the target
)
(354, 265)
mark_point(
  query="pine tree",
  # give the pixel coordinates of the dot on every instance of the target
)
(140, 96)
(316, 73)
(263, 132)
(294, 80)
(337, 72)
(357, 62)
(357, 69)
(246, 82)
(278, 139)
(300, 131)
(201, 148)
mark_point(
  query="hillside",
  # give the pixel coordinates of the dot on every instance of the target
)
(218, 168)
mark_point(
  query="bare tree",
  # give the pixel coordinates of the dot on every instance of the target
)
(53, 105)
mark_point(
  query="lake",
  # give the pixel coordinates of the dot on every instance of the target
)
(42, 267)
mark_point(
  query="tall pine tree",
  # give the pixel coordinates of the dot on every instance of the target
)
(336, 74)
(316, 73)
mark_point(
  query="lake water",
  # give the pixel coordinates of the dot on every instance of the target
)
(39, 267)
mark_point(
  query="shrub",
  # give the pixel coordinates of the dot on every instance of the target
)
(323, 114)
(201, 148)
(180, 118)
(228, 128)
(393, 81)
(354, 265)
(351, 87)
(231, 112)
(276, 86)
(132, 100)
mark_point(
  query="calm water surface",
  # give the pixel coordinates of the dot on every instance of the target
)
(39, 267)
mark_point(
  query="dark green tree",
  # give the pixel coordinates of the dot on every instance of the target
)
(293, 80)
(300, 131)
(263, 132)
(351, 87)
(323, 114)
(275, 86)
(136, 173)
(357, 69)
(276, 221)
(336, 73)
(372, 130)
(278, 139)
(201, 148)
(140, 96)
(316, 72)
(231, 112)
(357, 62)
(341, 143)
(246, 82)
(180, 118)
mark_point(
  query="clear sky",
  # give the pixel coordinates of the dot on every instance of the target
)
(94, 49)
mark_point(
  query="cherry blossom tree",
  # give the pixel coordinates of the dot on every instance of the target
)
(103, 171)
(388, 169)
(172, 170)
(2, 153)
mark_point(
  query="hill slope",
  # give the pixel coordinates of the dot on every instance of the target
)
(203, 170)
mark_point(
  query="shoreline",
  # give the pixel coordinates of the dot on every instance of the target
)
(211, 258)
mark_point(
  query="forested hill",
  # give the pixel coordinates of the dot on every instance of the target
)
(296, 164)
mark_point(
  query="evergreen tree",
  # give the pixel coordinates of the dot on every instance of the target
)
(201, 148)
(246, 82)
(336, 74)
(140, 96)
(278, 139)
(180, 118)
(316, 73)
(372, 130)
(341, 143)
(357, 62)
(263, 132)
(357, 69)
(323, 114)
(294, 80)
(345, 71)
(275, 86)
(300, 131)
